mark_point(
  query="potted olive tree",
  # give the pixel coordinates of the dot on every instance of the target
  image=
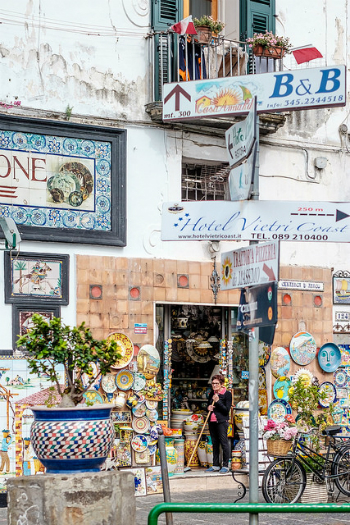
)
(69, 437)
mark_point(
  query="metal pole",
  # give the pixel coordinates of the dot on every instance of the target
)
(254, 382)
(165, 476)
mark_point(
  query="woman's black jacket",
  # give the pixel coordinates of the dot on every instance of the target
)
(221, 407)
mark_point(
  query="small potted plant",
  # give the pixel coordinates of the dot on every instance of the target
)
(56, 433)
(279, 436)
(269, 45)
(206, 27)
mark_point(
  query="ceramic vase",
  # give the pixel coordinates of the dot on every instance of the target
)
(190, 444)
(202, 454)
(120, 400)
(71, 440)
(209, 452)
(179, 445)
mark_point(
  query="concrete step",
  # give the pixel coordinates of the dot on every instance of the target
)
(197, 480)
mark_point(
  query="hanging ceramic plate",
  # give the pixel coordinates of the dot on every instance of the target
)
(262, 397)
(139, 382)
(152, 405)
(125, 347)
(281, 388)
(92, 396)
(108, 383)
(305, 375)
(262, 377)
(86, 378)
(152, 414)
(124, 380)
(139, 443)
(140, 424)
(329, 357)
(148, 361)
(280, 362)
(340, 377)
(330, 392)
(139, 410)
(278, 409)
(303, 348)
(152, 449)
(264, 353)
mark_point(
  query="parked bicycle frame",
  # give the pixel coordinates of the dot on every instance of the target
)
(285, 478)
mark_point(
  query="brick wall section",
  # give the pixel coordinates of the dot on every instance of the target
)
(158, 282)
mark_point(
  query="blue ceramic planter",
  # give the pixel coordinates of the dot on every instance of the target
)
(72, 440)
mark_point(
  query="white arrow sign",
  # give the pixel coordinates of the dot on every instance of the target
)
(249, 266)
(256, 220)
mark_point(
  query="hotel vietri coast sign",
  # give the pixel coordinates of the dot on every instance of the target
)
(256, 221)
(277, 91)
(63, 182)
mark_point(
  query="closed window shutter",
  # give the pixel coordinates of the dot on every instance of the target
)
(165, 13)
(256, 16)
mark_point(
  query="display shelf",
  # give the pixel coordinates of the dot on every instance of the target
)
(197, 399)
(190, 378)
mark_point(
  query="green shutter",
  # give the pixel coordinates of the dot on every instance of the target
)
(256, 16)
(165, 13)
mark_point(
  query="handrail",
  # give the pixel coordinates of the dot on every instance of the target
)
(251, 508)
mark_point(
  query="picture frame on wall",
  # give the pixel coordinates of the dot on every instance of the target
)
(63, 181)
(36, 277)
(341, 287)
(21, 320)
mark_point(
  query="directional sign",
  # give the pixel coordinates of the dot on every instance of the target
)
(258, 306)
(276, 91)
(240, 179)
(240, 138)
(249, 266)
(256, 220)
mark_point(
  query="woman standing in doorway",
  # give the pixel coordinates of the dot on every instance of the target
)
(219, 404)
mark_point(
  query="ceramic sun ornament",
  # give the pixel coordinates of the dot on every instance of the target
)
(305, 375)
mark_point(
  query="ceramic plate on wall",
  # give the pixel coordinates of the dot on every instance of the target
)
(280, 362)
(124, 380)
(340, 377)
(303, 348)
(125, 347)
(140, 424)
(262, 377)
(86, 378)
(108, 383)
(139, 382)
(92, 396)
(329, 357)
(281, 388)
(152, 405)
(264, 353)
(148, 361)
(139, 410)
(278, 409)
(139, 443)
(329, 390)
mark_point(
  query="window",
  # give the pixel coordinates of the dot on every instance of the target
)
(202, 182)
(197, 8)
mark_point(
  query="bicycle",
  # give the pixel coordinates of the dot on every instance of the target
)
(284, 480)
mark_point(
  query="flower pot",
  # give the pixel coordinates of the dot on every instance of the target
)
(275, 52)
(71, 440)
(205, 34)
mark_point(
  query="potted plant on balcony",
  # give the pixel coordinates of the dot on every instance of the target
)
(269, 45)
(70, 437)
(206, 27)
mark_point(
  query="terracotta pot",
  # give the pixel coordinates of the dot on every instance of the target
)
(270, 52)
(204, 34)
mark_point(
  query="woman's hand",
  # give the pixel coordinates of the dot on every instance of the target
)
(215, 398)
(210, 408)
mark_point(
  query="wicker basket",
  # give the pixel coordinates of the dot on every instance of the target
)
(278, 447)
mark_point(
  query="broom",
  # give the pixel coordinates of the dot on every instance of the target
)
(197, 442)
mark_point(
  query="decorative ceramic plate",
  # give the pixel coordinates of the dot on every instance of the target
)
(139, 382)
(125, 347)
(281, 388)
(305, 375)
(198, 355)
(154, 432)
(280, 362)
(148, 361)
(329, 357)
(108, 383)
(152, 414)
(303, 348)
(86, 378)
(262, 377)
(124, 380)
(278, 409)
(140, 424)
(340, 377)
(139, 410)
(139, 443)
(152, 405)
(152, 449)
(92, 396)
(330, 392)
(264, 353)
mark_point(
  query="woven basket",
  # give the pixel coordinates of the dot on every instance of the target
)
(278, 447)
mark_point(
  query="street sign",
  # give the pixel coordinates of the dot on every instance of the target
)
(240, 138)
(258, 306)
(249, 266)
(256, 220)
(276, 91)
(240, 179)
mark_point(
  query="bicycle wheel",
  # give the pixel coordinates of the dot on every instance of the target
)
(284, 481)
(341, 469)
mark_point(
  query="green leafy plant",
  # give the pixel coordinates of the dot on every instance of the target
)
(216, 26)
(69, 110)
(268, 39)
(52, 343)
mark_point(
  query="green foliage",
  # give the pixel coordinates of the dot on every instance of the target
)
(51, 343)
(208, 21)
(69, 110)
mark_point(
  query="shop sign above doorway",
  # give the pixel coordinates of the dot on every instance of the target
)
(250, 266)
(276, 91)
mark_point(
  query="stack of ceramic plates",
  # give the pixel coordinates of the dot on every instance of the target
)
(178, 417)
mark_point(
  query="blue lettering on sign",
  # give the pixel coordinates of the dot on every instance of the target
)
(326, 78)
(286, 85)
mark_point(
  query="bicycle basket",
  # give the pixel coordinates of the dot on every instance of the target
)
(278, 447)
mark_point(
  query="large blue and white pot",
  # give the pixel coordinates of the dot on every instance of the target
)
(71, 440)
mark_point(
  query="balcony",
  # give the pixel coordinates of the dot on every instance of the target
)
(175, 58)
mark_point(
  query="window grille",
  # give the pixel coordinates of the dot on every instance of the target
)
(205, 182)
